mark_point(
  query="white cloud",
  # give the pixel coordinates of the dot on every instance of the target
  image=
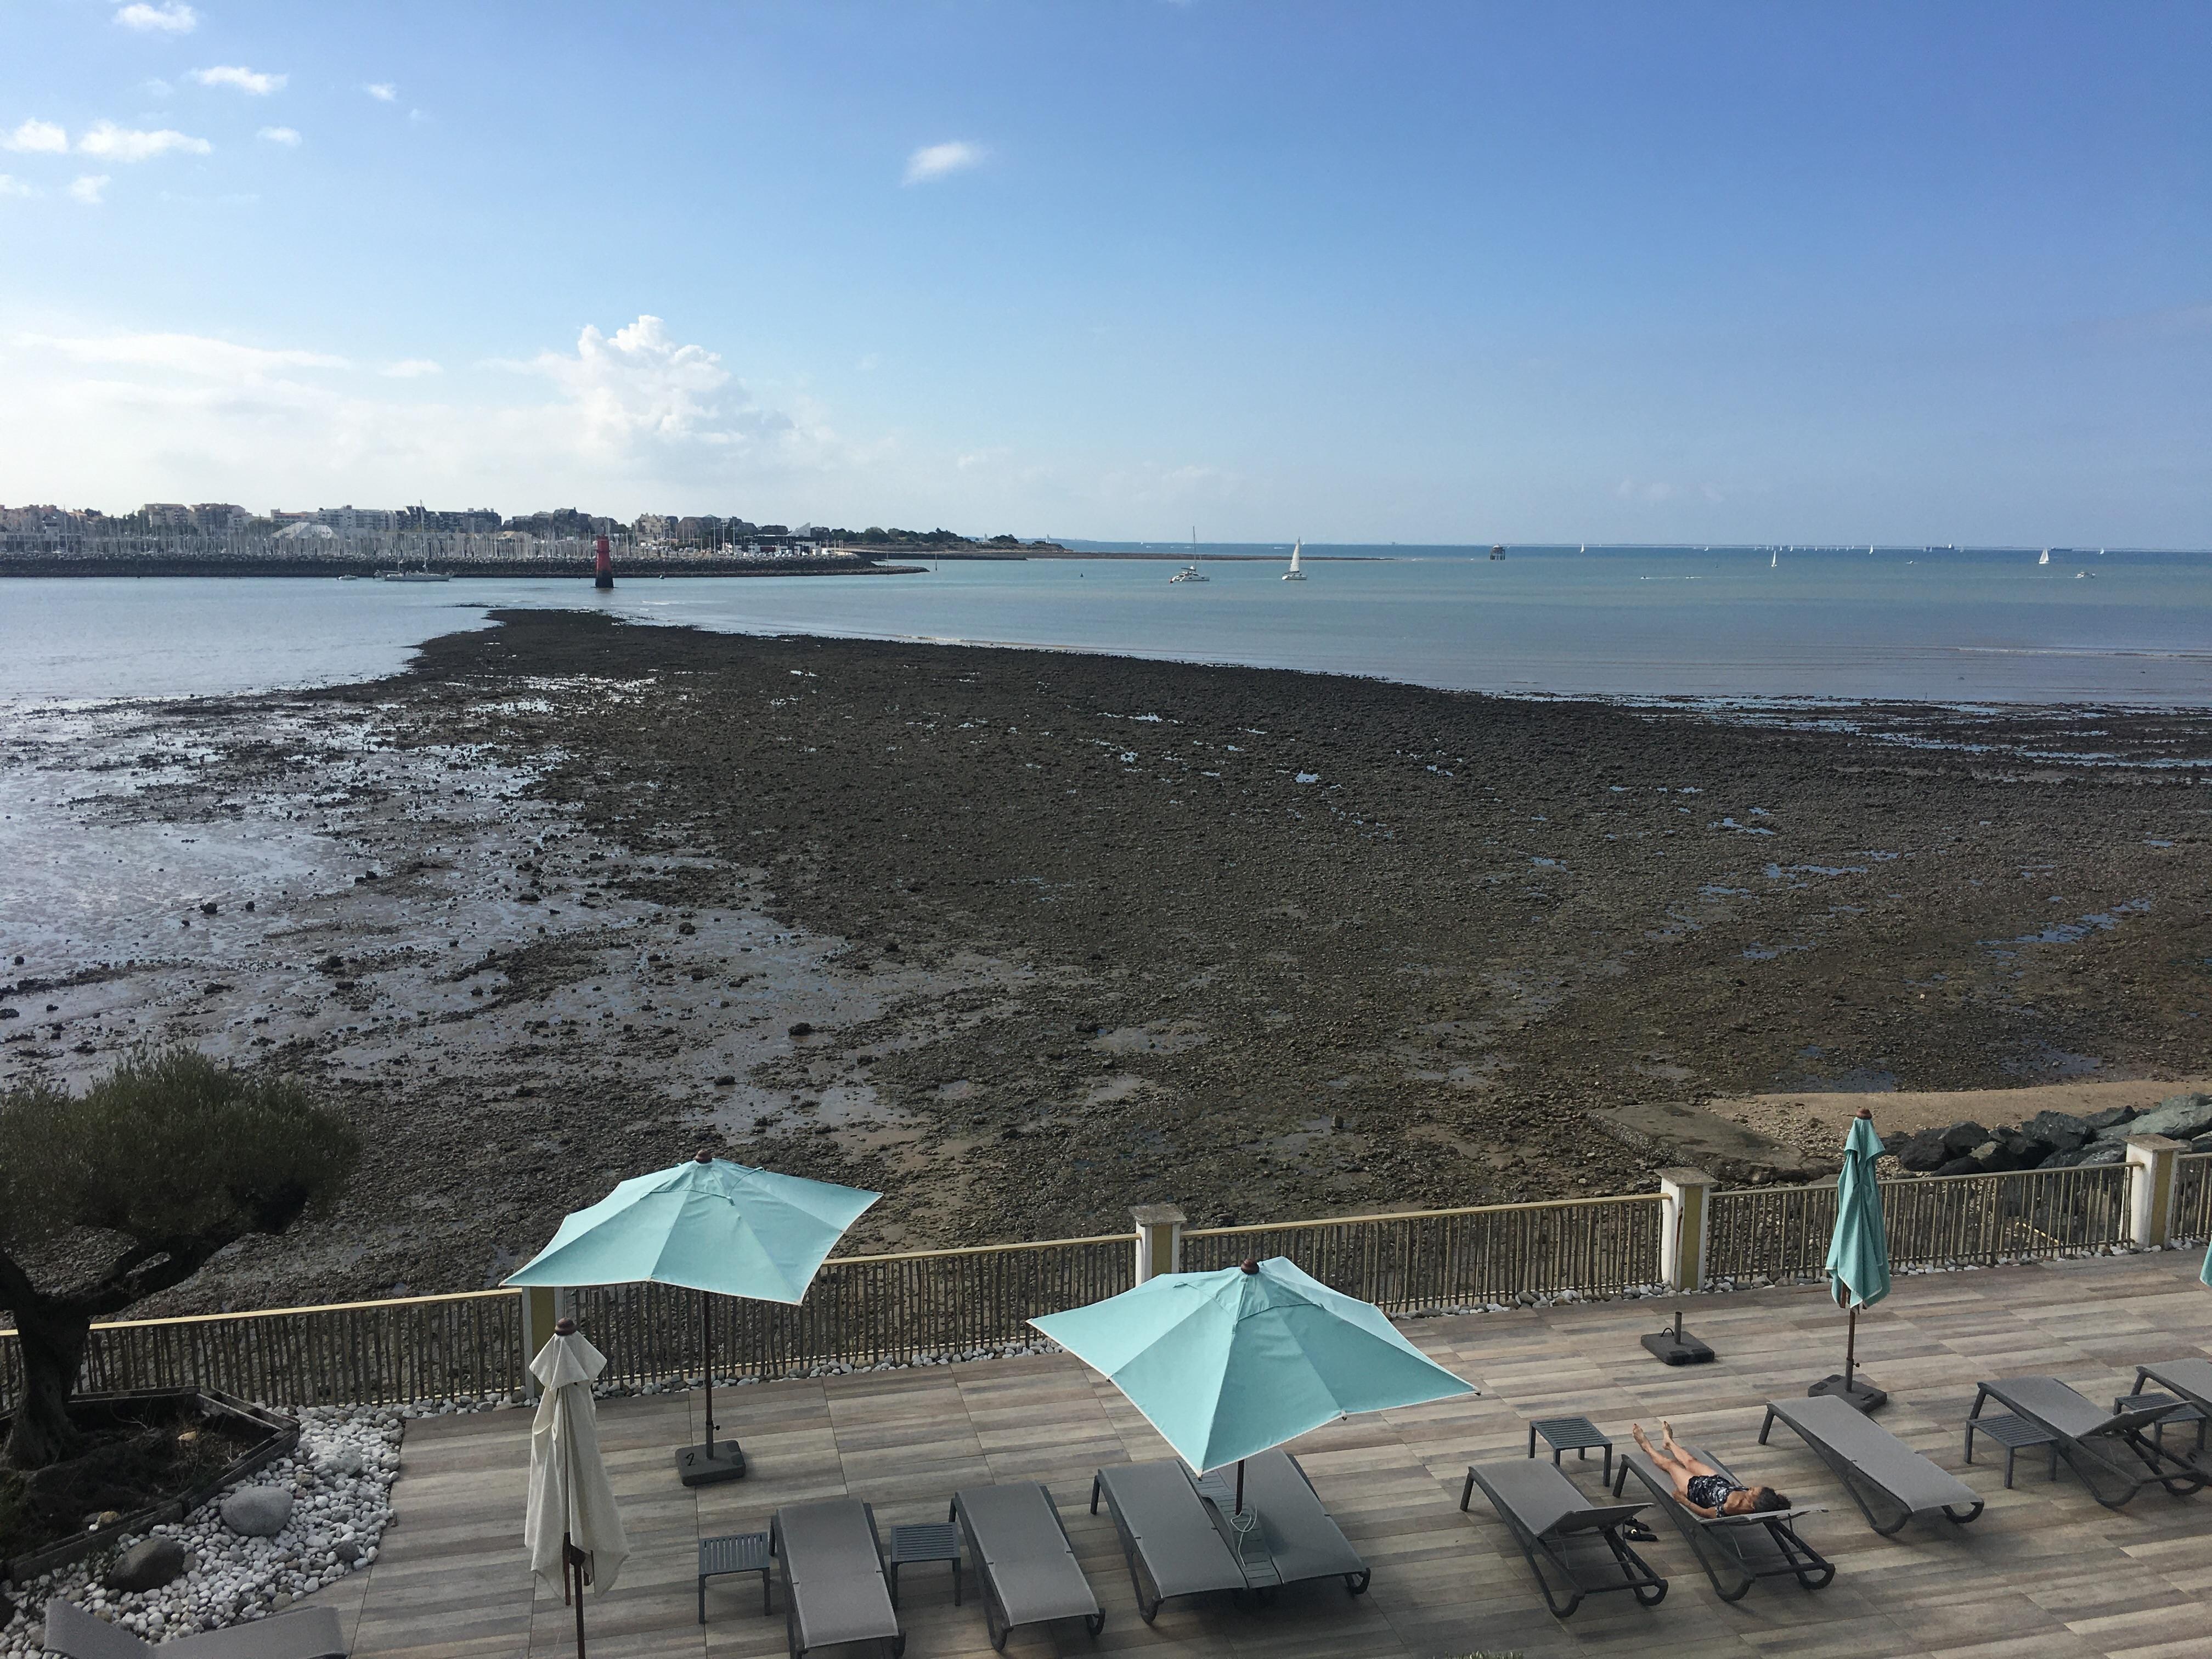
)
(15, 187)
(129, 145)
(175, 18)
(245, 80)
(383, 91)
(88, 189)
(936, 160)
(279, 135)
(413, 368)
(35, 137)
(620, 421)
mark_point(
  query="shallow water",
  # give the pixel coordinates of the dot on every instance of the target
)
(1947, 627)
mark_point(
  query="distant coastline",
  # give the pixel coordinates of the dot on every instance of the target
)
(459, 570)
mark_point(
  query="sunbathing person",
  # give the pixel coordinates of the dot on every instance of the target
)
(1703, 1487)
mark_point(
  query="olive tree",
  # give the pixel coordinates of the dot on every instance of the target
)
(108, 1197)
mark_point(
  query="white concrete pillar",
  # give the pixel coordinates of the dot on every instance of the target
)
(1685, 1212)
(1159, 1239)
(2154, 1166)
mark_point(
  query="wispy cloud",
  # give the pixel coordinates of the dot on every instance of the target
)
(15, 187)
(175, 18)
(89, 189)
(245, 80)
(413, 368)
(193, 355)
(383, 91)
(938, 161)
(130, 144)
(279, 135)
(35, 136)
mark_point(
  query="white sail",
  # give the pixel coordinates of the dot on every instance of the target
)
(2046, 559)
(1295, 548)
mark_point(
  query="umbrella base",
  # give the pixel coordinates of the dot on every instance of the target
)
(1856, 1390)
(1677, 1348)
(707, 1465)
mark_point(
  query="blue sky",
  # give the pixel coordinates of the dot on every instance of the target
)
(1455, 273)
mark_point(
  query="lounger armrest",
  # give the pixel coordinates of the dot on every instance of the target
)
(1759, 1516)
(1597, 1519)
(2121, 1424)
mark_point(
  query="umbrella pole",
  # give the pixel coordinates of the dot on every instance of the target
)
(707, 1366)
(1851, 1348)
(573, 1560)
(1240, 1485)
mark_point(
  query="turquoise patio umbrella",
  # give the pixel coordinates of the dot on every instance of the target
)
(1226, 1365)
(1858, 1254)
(709, 1225)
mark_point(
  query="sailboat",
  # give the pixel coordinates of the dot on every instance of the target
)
(1191, 573)
(1774, 560)
(2046, 559)
(1294, 574)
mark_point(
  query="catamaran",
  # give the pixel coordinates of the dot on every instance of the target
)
(1294, 574)
(1191, 573)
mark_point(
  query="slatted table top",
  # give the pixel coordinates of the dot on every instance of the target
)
(2044, 1574)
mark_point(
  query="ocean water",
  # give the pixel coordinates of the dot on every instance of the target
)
(1947, 627)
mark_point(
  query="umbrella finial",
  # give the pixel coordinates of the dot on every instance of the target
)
(1250, 1265)
(702, 1156)
(565, 1328)
(1865, 1112)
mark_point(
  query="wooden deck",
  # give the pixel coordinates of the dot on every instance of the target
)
(2045, 1572)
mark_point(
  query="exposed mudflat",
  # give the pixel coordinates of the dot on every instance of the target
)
(1068, 933)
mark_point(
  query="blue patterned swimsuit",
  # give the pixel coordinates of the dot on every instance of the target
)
(1710, 1492)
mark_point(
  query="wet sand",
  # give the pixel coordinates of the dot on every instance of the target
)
(1024, 938)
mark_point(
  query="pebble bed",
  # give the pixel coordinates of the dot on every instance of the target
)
(341, 1480)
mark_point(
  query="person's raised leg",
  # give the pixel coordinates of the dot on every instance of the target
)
(1674, 1470)
(1676, 1457)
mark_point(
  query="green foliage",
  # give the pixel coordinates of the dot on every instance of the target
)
(170, 1146)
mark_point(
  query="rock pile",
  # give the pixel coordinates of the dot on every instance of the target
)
(326, 1508)
(2055, 1140)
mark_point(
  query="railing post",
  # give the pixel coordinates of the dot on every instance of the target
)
(1685, 1227)
(2153, 1165)
(542, 1307)
(1159, 1239)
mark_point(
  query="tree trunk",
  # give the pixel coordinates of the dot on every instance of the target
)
(51, 1343)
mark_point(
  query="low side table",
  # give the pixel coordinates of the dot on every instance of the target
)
(740, 1552)
(930, 1540)
(2012, 1433)
(1577, 1435)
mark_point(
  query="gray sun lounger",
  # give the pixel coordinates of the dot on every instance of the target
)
(1168, 1533)
(2109, 1450)
(1737, 1551)
(1020, 1548)
(1559, 1528)
(830, 1560)
(307, 1633)
(2190, 1380)
(1889, 1481)
(1288, 1536)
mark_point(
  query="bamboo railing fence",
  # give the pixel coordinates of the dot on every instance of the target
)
(1933, 1221)
(1430, 1259)
(2192, 1197)
(864, 1310)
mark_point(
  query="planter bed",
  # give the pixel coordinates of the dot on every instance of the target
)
(258, 1435)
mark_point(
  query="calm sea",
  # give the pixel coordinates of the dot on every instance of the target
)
(1963, 627)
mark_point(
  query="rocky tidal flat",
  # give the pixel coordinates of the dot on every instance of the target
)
(1024, 939)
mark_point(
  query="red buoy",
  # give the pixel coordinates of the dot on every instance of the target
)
(603, 566)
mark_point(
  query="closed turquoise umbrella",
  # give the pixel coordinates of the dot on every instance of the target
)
(1858, 1255)
(708, 1226)
(1226, 1365)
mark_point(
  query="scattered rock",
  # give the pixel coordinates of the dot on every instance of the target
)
(802, 1029)
(209, 908)
(258, 1512)
(148, 1564)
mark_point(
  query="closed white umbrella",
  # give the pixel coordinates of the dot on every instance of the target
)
(571, 1525)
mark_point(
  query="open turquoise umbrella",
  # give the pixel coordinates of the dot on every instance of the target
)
(1858, 1255)
(708, 1226)
(1226, 1365)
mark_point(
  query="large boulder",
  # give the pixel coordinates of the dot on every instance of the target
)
(148, 1564)
(2111, 1117)
(1960, 1138)
(2097, 1151)
(1967, 1165)
(2183, 1117)
(1995, 1156)
(1923, 1152)
(258, 1512)
(2059, 1132)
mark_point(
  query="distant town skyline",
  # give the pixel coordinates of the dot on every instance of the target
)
(1446, 273)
